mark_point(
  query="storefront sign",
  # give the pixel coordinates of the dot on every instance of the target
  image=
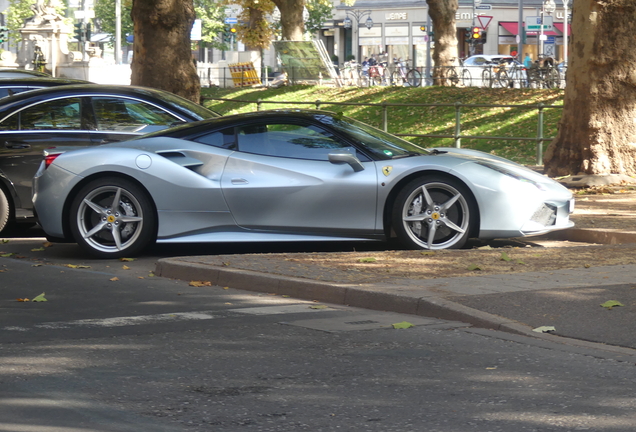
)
(396, 31)
(372, 32)
(396, 16)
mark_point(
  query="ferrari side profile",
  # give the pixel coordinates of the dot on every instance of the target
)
(287, 175)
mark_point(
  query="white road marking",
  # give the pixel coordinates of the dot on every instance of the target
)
(168, 317)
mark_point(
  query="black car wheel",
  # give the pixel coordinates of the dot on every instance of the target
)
(112, 218)
(434, 213)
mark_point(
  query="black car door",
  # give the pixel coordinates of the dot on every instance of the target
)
(25, 133)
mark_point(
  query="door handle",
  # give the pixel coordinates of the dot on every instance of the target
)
(16, 145)
(239, 181)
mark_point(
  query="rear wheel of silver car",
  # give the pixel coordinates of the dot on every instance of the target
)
(433, 213)
(112, 218)
(5, 210)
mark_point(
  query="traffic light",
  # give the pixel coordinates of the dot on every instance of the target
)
(228, 33)
(423, 28)
(468, 36)
(475, 34)
(80, 31)
(483, 36)
(88, 32)
(4, 34)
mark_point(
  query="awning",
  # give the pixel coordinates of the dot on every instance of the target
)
(559, 27)
(513, 27)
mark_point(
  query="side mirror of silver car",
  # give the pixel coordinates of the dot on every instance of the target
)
(346, 158)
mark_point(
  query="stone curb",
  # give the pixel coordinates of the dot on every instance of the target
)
(369, 297)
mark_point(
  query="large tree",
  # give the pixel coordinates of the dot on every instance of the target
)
(162, 51)
(597, 131)
(442, 14)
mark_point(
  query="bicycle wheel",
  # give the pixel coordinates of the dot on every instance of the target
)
(501, 79)
(396, 78)
(467, 80)
(414, 78)
(486, 78)
(552, 79)
(452, 77)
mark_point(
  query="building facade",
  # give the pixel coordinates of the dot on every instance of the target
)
(402, 29)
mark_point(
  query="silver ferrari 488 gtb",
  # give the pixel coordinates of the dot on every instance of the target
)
(290, 175)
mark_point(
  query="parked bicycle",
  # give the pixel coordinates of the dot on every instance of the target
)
(450, 75)
(402, 75)
(544, 74)
(510, 74)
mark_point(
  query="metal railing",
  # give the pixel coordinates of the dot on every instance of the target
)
(356, 75)
(457, 136)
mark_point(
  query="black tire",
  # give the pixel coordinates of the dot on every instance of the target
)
(453, 78)
(502, 80)
(486, 78)
(396, 78)
(467, 81)
(414, 78)
(113, 217)
(5, 210)
(434, 213)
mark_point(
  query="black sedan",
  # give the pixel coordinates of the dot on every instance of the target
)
(11, 86)
(21, 73)
(75, 115)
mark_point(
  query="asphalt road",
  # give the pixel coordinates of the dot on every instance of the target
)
(117, 349)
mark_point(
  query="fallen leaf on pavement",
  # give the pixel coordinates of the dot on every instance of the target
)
(39, 298)
(403, 325)
(47, 244)
(200, 283)
(23, 299)
(318, 307)
(474, 267)
(126, 259)
(37, 249)
(611, 303)
(125, 267)
(505, 257)
(115, 279)
(544, 329)
(367, 260)
(7, 255)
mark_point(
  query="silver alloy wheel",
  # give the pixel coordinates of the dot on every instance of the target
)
(436, 216)
(110, 219)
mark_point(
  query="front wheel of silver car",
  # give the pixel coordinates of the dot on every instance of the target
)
(5, 210)
(112, 218)
(432, 213)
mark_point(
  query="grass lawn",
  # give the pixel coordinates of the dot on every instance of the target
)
(424, 119)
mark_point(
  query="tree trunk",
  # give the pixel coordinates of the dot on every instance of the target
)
(162, 54)
(597, 132)
(445, 60)
(291, 19)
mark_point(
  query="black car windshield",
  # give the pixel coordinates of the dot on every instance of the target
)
(380, 144)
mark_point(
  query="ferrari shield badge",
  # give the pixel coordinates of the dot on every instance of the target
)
(387, 170)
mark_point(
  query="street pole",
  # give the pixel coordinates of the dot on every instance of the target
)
(117, 31)
(566, 24)
(519, 38)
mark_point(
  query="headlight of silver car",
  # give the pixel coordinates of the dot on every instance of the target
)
(515, 175)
